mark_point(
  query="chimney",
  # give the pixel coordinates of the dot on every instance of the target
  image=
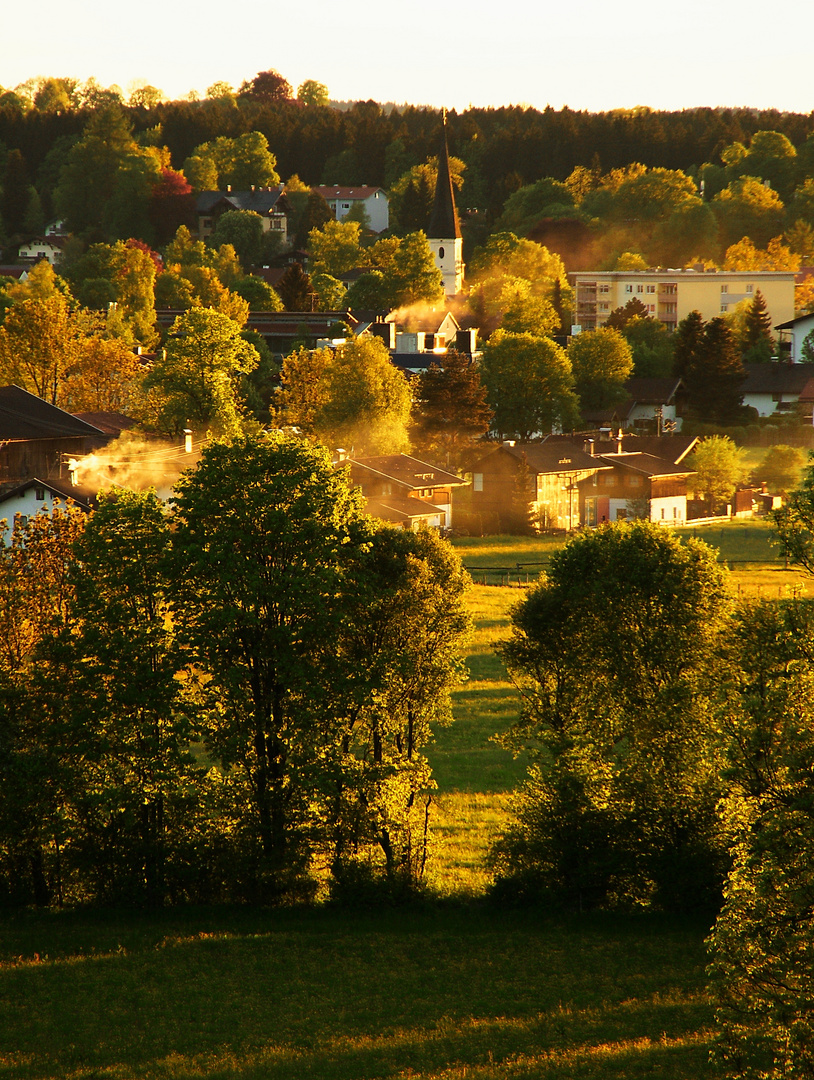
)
(619, 439)
(588, 447)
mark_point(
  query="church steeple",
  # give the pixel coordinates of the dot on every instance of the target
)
(444, 219)
(444, 233)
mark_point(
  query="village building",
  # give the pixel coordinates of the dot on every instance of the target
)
(403, 490)
(37, 438)
(372, 201)
(670, 295)
(444, 231)
(269, 202)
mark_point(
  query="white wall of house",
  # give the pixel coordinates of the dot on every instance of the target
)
(671, 510)
(33, 500)
(645, 412)
(768, 404)
(667, 511)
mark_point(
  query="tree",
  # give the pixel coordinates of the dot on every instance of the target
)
(38, 343)
(621, 316)
(37, 765)
(761, 945)
(263, 533)
(302, 391)
(366, 406)
(780, 469)
(194, 381)
(807, 349)
(268, 87)
(313, 93)
(123, 274)
(107, 180)
(403, 624)
(602, 361)
(747, 208)
(413, 277)
(504, 258)
(336, 248)
(652, 347)
(135, 730)
(241, 163)
(103, 377)
(619, 808)
(708, 361)
(243, 229)
(529, 383)
(794, 524)
(295, 289)
(450, 410)
(718, 465)
(757, 342)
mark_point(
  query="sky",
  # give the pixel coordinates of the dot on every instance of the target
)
(591, 54)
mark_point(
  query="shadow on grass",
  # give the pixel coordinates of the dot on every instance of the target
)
(334, 994)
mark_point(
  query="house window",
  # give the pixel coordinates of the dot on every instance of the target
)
(634, 481)
(750, 288)
(346, 206)
(640, 288)
(651, 307)
(628, 288)
(602, 306)
(39, 494)
(477, 481)
(662, 513)
(651, 288)
(604, 288)
(724, 307)
(724, 288)
(440, 253)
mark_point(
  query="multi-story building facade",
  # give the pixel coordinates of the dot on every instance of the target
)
(670, 295)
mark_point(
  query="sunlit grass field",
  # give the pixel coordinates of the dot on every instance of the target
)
(454, 987)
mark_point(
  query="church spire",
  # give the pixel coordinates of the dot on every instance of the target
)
(444, 220)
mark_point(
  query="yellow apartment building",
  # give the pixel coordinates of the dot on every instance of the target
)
(670, 295)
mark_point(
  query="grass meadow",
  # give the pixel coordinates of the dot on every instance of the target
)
(452, 987)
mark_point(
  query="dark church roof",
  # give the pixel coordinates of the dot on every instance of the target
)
(444, 223)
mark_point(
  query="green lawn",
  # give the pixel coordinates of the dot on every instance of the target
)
(439, 992)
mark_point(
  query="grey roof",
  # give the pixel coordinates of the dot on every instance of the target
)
(394, 508)
(260, 200)
(444, 223)
(776, 378)
(551, 457)
(653, 391)
(24, 416)
(406, 470)
(645, 464)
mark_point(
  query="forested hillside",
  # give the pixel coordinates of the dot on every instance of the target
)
(502, 153)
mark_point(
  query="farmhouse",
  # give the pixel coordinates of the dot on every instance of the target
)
(404, 491)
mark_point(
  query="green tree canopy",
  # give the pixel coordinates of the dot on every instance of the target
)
(194, 381)
(719, 468)
(602, 361)
(619, 808)
(530, 385)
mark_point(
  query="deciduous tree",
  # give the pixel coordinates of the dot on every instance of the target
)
(530, 385)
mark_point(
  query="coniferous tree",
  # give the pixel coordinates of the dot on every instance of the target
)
(450, 410)
(757, 341)
(714, 382)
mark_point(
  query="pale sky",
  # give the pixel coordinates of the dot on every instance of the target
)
(591, 54)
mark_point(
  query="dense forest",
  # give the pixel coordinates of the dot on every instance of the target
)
(609, 170)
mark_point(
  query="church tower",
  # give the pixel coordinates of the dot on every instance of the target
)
(444, 233)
